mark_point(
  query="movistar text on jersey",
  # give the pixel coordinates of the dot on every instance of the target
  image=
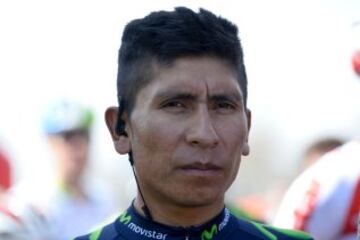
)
(145, 232)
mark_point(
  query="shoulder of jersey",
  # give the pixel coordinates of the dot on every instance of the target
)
(107, 232)
(267, 232)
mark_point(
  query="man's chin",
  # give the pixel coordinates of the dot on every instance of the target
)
(198, 199)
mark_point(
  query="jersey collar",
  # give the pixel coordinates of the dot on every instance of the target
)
(134, 226)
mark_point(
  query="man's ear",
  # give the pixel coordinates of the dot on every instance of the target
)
(121, 142)
(246, 147)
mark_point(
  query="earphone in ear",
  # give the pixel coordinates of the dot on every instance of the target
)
(120, 130)
(120, 127)
(120, 124)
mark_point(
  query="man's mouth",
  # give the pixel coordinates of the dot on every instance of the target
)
(201, 170)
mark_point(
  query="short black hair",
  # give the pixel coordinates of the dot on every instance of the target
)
(164, 36)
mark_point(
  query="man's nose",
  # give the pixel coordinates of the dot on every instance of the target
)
(202, 132)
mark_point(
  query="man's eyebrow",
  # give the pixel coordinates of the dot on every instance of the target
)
(234, 96)
(175, 95)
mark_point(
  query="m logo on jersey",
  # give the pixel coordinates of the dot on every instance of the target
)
(125, 218)
(208, 235)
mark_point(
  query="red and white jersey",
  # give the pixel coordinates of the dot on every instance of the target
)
(325, 199)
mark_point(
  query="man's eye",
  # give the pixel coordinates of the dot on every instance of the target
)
(225, 105)
(173, 104)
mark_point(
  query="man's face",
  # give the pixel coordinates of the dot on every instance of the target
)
(71, 151)
(187, 132)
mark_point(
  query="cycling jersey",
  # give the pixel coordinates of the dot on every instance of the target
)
(325, 199)
(131, 225)
(68, 215)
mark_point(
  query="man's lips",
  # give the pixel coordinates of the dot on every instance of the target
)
(200, 169)
(201, 166)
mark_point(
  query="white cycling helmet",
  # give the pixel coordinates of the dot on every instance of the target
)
(62, 116)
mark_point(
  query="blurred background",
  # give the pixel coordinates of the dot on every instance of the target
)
(298, 56)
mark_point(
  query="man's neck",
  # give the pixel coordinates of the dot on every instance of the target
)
(181, 216)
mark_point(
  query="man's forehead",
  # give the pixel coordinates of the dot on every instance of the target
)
(187, 63)
(208, 89)
(205, 77)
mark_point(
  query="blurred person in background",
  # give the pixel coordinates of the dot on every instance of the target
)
(262, 206)
(23, 224)
(317, 149)
(325, 199)
(16, 224)
(5, 173)
(69, 202)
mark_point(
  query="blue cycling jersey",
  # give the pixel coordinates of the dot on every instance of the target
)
(132, 226)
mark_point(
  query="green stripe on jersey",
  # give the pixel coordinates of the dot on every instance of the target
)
(95, 235)
(264, 231)
(292, 233)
